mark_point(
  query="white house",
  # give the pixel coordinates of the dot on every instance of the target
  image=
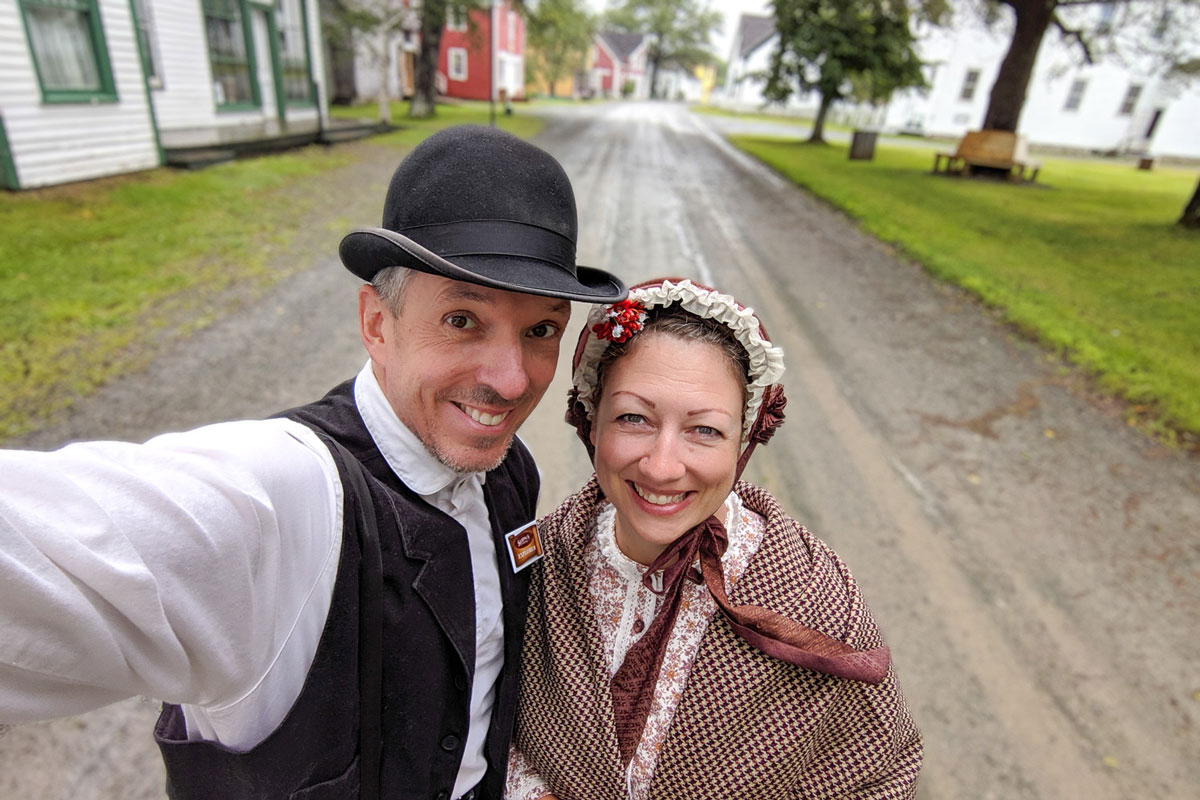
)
(1115, 106)
(98, 87)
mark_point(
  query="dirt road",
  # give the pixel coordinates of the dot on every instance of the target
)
(1034, 563)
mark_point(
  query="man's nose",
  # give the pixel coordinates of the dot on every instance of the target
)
(504, 370)
(663, 463)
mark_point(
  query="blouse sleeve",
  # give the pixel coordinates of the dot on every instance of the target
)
(523, 782)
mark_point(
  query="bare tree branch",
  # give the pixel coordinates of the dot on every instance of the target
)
(1075, 34)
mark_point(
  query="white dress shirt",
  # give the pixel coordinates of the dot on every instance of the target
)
(198, 568)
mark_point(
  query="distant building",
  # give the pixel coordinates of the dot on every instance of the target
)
(479, 57)
(90, 88)
(619, 67)
(1125, 106)
(485, 59)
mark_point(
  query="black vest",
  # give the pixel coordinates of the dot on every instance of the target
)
(428, 648)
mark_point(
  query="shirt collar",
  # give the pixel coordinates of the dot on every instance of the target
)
(401, 448)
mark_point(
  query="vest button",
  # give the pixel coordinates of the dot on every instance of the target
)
(450, 742)
(638, 625)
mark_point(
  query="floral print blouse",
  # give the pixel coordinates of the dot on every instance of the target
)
(624, 608)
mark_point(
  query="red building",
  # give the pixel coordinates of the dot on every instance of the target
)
(485, 59)
(619, 65)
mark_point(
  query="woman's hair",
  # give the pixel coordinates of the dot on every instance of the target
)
(674, 321)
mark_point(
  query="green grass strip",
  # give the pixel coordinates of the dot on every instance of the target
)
(1088, 261)
(91, 271)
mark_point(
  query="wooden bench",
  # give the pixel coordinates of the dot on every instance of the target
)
(1002, 150)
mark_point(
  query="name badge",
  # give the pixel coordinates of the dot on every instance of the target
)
(524, 546)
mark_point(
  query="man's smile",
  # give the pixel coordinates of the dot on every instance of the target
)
(483, 417)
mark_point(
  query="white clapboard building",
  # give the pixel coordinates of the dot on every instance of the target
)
(90, 88)
(1117, 105)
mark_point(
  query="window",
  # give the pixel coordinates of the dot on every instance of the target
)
(1130, 102)
(1075, 96)
(1105, 24)
(148, 42)
(293, 51)
(69, 53)
(456, 19)
(457, 56)
(969, 84)
(230, 54)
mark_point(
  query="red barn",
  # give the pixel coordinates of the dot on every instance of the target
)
(486, 59)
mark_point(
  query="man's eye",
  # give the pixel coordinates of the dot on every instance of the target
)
(460, 321)
(544, 331)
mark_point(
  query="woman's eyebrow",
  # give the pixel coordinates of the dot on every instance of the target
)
(645, 401)
(709, 410)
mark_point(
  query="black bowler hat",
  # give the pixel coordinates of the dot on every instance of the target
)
(480, 205)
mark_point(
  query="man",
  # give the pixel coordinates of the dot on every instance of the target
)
(330, 602)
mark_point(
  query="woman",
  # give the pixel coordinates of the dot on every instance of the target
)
(686, 638)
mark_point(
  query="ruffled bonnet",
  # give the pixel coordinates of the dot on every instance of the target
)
(620, 321)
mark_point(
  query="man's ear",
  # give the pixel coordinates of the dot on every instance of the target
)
(372, 317)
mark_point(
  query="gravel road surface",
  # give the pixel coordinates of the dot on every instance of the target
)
(1034, 563)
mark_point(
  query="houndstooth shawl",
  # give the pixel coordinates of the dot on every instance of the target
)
(748, 725)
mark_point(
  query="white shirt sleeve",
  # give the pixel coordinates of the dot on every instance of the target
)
(196, 568)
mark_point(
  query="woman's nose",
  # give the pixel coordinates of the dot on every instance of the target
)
(663, 463)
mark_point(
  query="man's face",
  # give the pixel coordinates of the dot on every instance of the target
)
(463, 365)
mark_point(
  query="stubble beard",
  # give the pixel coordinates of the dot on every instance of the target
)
(462, 468)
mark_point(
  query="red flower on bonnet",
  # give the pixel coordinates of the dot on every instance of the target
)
(621, 320)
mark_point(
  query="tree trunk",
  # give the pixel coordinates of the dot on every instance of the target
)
(384, 60)
(818, 127)
(654, 77)
(1012, 82)
(433, 20)
(1191, 214)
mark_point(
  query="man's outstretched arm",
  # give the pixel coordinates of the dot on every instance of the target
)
(196, 568)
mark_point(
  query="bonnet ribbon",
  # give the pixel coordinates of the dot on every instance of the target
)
(766, 630)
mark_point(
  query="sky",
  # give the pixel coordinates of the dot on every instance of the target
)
(733, 9)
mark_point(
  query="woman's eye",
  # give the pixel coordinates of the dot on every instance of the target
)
(460, 321)
(632, 419)
(708, 431)
(544, 331)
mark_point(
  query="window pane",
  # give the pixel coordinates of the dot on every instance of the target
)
(293, 52)
(62, 45)
(227, 52)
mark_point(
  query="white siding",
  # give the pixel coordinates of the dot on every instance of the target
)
(186, 100)
(61, 142)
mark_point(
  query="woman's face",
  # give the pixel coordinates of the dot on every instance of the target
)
(667, 433)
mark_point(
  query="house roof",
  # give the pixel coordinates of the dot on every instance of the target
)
(622, 45)
(753, 30)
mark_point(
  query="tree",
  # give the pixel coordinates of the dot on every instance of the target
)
(844, 48)
(679, 32)
(371, 22)
(559, 34)
(1191, 213)
(1153, 28)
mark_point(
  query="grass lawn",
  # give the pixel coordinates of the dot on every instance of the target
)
(1089, 261)
(88, 270)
